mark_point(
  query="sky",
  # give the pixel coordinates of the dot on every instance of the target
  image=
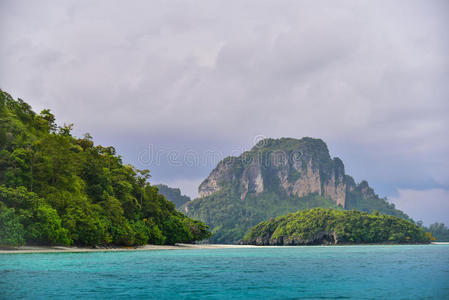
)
(176, 86)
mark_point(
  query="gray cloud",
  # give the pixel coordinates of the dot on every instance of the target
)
(436, 202)
(370, 78)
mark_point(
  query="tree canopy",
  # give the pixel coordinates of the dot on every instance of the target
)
(59, 189)
(332, 226)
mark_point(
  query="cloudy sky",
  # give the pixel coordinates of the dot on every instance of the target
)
(177, 85)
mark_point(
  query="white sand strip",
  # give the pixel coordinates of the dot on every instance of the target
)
(49, 249)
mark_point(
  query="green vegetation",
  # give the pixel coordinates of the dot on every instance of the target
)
(329, 226)
(173, 195)
(231, 219)
(438, 230)
(59, 189)
(363, 198)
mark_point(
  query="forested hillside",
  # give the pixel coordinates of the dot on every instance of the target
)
(59, 189)
(331, 226)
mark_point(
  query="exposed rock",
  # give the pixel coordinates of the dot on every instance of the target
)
(336, 189)
(275, 177)
(309, 175)
(309, 181)
(212, 183)
(252, 180)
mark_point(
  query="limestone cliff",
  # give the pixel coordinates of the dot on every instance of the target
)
(299, 171)
(275, 177)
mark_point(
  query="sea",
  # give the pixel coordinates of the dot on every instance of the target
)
(309, 272)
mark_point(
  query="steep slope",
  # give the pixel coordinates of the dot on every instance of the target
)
(173, 195)
(59, 189)
(275, 177)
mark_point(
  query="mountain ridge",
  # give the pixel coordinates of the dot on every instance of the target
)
(173, 195)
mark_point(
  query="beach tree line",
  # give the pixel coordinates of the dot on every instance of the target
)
(335, 226)
(57, 189)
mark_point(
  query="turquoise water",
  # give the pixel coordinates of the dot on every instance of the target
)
(346, 272)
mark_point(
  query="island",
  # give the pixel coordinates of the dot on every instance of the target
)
(319, 226)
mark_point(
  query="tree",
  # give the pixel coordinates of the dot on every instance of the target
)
(50, 119)
(44, 227)
(11, 230)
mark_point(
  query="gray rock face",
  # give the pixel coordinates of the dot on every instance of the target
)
(302, 168)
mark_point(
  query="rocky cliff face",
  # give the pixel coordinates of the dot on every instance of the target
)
(297, 171)
(275, 177)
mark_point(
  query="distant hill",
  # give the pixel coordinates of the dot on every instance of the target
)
(275, 177)
(173, 195)
(438, 230)
(320, 226)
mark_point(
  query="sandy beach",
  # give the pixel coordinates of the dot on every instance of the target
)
(51, 249)
(62, 249)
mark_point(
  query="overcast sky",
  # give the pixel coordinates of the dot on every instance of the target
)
(176, 85)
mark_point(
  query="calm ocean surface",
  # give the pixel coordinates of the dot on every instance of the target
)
(343, 272)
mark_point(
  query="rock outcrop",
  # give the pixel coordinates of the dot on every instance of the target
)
(275, 177)
(300, 171)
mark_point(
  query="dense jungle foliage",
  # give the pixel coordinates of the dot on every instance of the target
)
(59, 189)
(332, 226)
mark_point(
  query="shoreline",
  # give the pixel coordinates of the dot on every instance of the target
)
(63, 249)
